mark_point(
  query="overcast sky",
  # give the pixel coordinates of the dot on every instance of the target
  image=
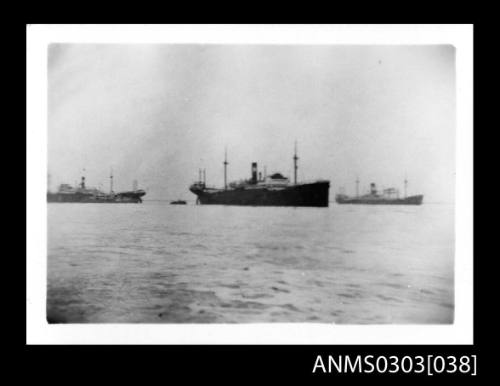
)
(158, 113)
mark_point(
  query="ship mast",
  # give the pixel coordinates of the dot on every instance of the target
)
(295, 167)
(225, 168)
(357, 187)
(82, 184)
(111, 181)
(406, 185)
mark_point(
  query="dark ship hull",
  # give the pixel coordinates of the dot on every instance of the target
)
(411, 200)
(132, 197)
(308, 194)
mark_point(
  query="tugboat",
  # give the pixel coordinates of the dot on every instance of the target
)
(83, 194)
(389, 196)
(273, 190)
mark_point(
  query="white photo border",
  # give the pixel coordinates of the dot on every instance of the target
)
(38, 331)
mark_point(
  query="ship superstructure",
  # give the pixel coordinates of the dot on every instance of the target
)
(272, 190)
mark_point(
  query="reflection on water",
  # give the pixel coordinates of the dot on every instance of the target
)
(160, 263)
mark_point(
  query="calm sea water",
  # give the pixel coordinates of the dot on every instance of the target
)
(161, 263)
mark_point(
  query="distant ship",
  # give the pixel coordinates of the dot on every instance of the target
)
(389, 196)
(178, 202)
(273, 190)
(83, 194)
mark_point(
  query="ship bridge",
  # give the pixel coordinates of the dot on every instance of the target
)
(276, 179)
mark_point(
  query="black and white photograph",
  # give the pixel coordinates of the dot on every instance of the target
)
(250, 183)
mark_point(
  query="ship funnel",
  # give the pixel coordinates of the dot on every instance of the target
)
(254, 172)
(373, 188)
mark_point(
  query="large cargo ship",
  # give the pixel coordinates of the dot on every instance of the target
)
(273, 190)
(388, 196)
(83, 194)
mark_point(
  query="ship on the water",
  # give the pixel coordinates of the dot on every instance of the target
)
(272, 190)
(84, 194)
(389, 196)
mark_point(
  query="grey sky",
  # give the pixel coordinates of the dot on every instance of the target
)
(158, 113)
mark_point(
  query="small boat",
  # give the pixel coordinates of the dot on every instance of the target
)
(178, 202)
